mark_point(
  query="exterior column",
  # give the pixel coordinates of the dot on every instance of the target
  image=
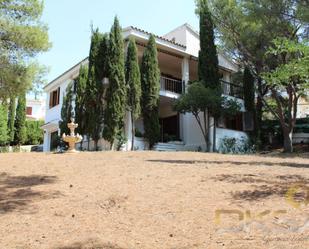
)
(46, 143)
(128, 131)
(183, 122)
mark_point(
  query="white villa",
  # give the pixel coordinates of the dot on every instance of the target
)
(178, 61)
(35, 108)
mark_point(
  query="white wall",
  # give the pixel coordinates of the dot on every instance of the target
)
(54, 113)
(38, 108)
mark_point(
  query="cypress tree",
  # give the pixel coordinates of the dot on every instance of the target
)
(208, 65)
(66, 110)
(94, 88)
(11, 118)
(3, 125)
(80, 100)
(150, 80)
(133, 80)
(20, 134)
(116, 92)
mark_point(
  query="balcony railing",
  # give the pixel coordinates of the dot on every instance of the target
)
(171, 85)
(231, 89)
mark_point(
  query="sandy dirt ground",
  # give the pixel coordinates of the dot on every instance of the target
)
(149, 200)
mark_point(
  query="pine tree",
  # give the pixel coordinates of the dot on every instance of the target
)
(3, 125)
(80, 100)
(66, 110)
(23, 36)
(20, 135)
(11, 118)
(116, 92)
(150, 80)
(249, 101)
(249, 91)
(133, 80)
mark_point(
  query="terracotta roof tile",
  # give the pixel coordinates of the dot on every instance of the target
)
(157, 36)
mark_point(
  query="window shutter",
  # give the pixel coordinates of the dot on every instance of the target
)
(58, 96)
(50, 99)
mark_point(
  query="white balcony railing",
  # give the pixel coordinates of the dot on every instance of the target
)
(171, 85)
(231, 89)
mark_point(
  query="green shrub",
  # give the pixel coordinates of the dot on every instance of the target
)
(34, 132)
(236, 146)
(4, 149)
(121, 140)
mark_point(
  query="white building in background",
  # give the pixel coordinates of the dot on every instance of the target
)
(35, 108)
(303, 108)
(178, 61)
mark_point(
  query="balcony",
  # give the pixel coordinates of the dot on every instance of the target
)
(170, 85)
(231, 89)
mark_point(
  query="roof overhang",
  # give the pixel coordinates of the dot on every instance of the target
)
(69, 74)
(53, 125)
(142, 36)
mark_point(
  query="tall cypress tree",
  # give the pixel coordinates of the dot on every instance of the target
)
(208, 65)
(133, 80)
(3, 125)
(94, 88)
(66, 110)
(150, 80)
(20, 134)
(208, 69)
(116, 92)
(11, 118)
(80, 100)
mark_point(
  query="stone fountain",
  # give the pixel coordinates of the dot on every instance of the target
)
(72, 139)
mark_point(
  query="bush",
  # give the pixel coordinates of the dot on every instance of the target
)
(4, 149)
(34, 132)
(236, 146)
(121, 140)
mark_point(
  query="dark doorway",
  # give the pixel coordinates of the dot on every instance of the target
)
(54, 141)
(170, 129)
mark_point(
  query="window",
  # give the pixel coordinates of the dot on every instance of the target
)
(231, 123)
(29, 110)
(54, 97)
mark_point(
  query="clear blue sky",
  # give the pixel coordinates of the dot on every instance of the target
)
(69, 24)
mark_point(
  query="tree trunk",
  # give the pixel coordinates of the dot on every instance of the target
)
(133, 132)
(206, 129)
(201, 127)
(88, 145)
(81, 145)
(258, 121)
(112, 145)
(95, 145)
(288, 144)
(214, 136)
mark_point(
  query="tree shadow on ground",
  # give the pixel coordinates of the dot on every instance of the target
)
(262, 187)
(16, 192)
(90, 245)
(252, 163)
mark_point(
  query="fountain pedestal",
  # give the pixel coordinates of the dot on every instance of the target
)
(72, 139)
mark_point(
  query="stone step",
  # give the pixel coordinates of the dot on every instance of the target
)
(169, 147)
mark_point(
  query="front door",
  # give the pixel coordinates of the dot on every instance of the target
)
(170, 129)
